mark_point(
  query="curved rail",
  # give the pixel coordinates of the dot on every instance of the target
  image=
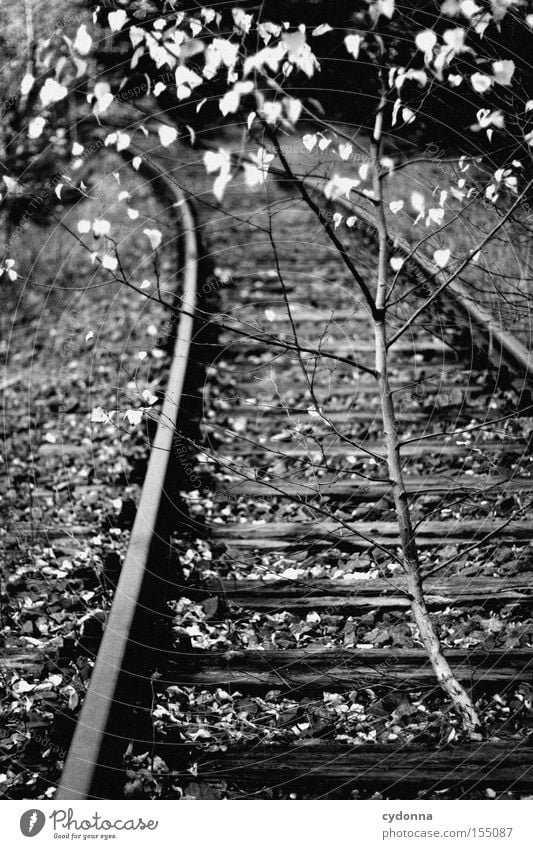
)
(83, 756)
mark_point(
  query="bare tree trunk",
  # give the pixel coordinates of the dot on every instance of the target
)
(428, 634)
(378, 309)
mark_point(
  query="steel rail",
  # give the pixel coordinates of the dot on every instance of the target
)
(83, 755)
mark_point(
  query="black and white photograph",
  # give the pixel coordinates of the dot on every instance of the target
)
(266, 272)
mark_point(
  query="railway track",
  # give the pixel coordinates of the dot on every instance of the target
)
(281, 658)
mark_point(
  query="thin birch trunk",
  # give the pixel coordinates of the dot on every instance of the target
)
(443, 672)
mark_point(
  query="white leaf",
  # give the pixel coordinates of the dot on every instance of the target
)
(99, 415)
(134, 416)
(159, 88)
(123, 141)
(52, 92)
(137, 34)
(418, 201)
(186, 80)
(219, 52)
(395, 206)
(167, 135)
(255, 172)
(73, 698)
(350, 222)
(299, 52)
(145, 284)
(58, 189)
(136, 162)
(426, 41)
(487, 118)
(469, 8)
(154, 237)
(480, 82)
(396, 263)
(13, 187)
(141, 355)
(36, 127)
(340, 186)
(104, 97)
(386, 7)
(337, 219)
(26, 84)
(81, 66)
(196, 27)
(442, 258)
(293, 108)
(89, 336)
(83, 41)
(324, 143)
(101, 227)
(503, 71)
(220, 184)
(133, 214)
(455, 39)
(77, 149)
(322, 29)
(455, 80)
(149, 397)
(124, 195)
(395, 110)
(436, 215)
(109, 262)
(270, 56)
(232, 99)
(272, 111)
(353, 44)
(242, 20)
(217, 161)
(345, 151)
(117, 20)
(309, 141)
(21, 686)
(84, 226)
